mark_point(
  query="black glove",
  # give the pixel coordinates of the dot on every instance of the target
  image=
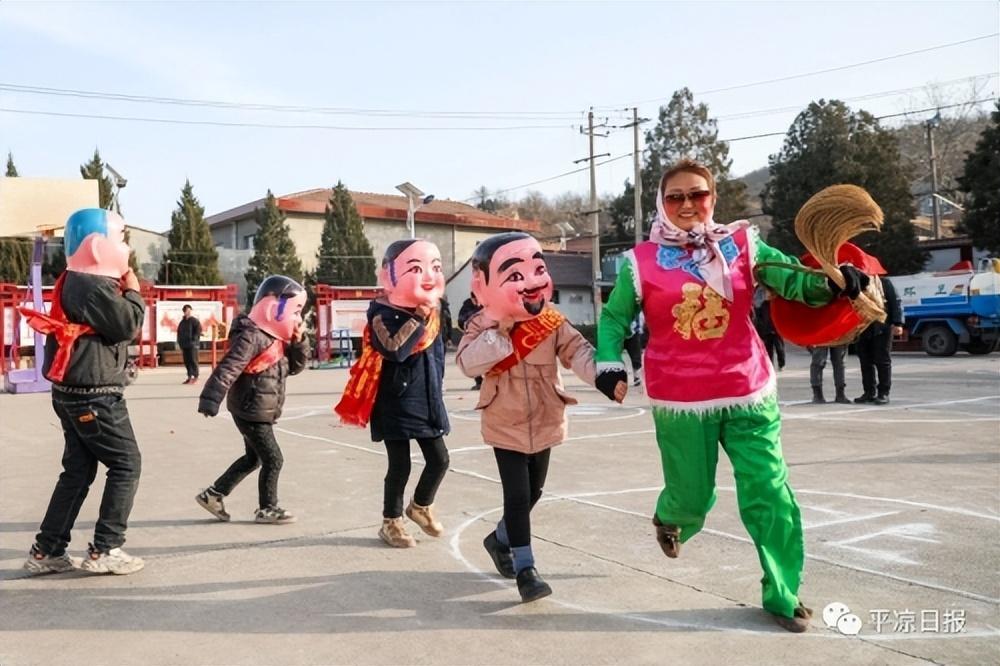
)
(607, 380)
(855, 282)
(207, 407)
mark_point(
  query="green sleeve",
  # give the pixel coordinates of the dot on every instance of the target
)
(791, 285)
(616, 317)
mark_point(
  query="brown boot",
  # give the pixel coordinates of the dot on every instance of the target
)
(394, 534)
(796, 624)
(423, 516)
(669, 538)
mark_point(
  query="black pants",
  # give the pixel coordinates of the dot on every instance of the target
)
(522, 476)
(874, 356)
(97, 430)
(819, 356)
(775, 346)
(435, 466)
(633, 346)
(191, 360)
(261, 451)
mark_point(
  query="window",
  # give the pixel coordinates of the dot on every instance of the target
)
(576, 298)
(248, 241)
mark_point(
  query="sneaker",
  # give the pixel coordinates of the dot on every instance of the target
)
(637, 381)
(669, 538)
(423, 516)
(394, 533)
(530, 585)
(212, 502)
(864, 398)
(272, 515)
(40, 563)
(115, 561)
(503, 560)
(796, 624)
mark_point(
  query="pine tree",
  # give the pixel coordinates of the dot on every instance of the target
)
(15, 259)
(829, 144)
(11, 169)
(683, 129)
(274, 250)
(192, 258)
(345, 257)
(94, 170)
(981, 181)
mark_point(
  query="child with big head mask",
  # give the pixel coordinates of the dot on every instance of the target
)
(517, 342)
(96, 312)
(396, 385)
(265, 347)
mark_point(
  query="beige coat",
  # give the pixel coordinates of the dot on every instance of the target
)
(524, 409)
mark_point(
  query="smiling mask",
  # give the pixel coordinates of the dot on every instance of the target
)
(412, 274)
(510, 278)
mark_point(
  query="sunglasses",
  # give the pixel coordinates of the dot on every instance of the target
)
(695, 197)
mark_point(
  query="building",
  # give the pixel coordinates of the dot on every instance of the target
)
(573, 296)
(453, 226)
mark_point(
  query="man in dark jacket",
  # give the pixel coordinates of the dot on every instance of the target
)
(188, 339)
(98, 315)
(264, 349)
(874, 346)
(469, 308)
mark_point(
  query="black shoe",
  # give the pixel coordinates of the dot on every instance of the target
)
(881, 399)
(503, 560)
(862, 399)
(818, 398)
(842, 397)
(531, 586)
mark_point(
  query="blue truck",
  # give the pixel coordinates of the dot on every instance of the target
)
(953, 310)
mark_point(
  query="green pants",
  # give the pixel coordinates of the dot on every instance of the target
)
(689, 450)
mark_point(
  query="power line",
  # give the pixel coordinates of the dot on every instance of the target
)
(820, 71)
(545, 180)
(890, 115)
(288, 108)
(340, 128)
(886, 93)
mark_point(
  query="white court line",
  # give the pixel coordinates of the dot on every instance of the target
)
(886, 408)
(578, 499)
(842, 521)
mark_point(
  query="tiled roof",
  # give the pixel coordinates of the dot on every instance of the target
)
(387, 207)
(569, 270)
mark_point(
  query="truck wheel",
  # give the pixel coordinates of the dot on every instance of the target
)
(939, 341)
(979, 346)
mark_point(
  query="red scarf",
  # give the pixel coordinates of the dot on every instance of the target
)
(264, 360)
(527, 335)
(56, 323)
(355, 407)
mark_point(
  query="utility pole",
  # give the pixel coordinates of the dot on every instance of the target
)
(637, 163)
(933, 124)
(594, 213)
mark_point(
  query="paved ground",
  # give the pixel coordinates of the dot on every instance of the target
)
(901, 503)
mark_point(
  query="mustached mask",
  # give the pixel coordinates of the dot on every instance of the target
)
(412, 275)
(510, 278)
(277, 306)
(94, 241)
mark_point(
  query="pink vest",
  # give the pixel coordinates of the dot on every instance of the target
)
(703, 351)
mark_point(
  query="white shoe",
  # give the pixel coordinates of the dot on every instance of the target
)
(40, 563)
(115, 561)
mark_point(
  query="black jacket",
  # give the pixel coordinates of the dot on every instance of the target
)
(188, 332)
(893, 311)
(98, 360)
(410, 400)
(258, 398)
(469, 308)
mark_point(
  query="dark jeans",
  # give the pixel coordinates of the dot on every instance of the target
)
(435, 466)
(775, 346)
(873, 355)
(819, 355)
(261, 451)
(633, 346)
(522, 476)
(191, 360)
(97, 430)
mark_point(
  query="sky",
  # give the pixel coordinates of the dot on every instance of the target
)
(448, 96)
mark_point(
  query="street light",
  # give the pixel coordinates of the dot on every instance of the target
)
(119, 182)
(415, 200)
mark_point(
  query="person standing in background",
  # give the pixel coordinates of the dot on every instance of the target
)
(189, 340)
